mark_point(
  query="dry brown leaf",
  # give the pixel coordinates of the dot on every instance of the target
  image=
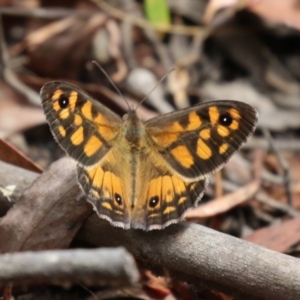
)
(278, 238)
(225, 203)
(15, 114)
(69, 39)
(286, 12)
(215, 6)
(157, 286)
(11, 155)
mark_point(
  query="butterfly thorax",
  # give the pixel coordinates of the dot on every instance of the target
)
(133, 131)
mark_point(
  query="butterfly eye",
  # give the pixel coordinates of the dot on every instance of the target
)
(225, 119)
(118, 199)
(63, 101)
(153, 201)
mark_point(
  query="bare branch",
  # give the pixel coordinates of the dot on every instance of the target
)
(66, 267)
(201, 255)
(188, 251)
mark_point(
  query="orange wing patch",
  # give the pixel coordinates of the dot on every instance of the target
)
(169, 209)
(55, 97)
(77, 137)
(214, 115)
(223, 131)
(167, 189)
(234, 125)
(165, 139)
(73, 100)
(86, 110)
(78, 120)
(64, 114)
(203, 150)
(234, 113)
(205, 134)
(92, 146)
(183, 156)
(223, 148)
(62, 131)
(194, 121)
(107, 133)
(174, 127)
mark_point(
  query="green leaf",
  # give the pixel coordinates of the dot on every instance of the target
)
(157, 12)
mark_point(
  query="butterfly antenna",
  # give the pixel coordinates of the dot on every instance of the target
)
(111, 82)
(158, 83)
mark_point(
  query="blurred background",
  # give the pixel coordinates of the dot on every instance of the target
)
(245, 50)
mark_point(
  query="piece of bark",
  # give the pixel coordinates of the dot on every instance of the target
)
(203, 256)
(66, 267)
(49, 212)
(13, 181)
(16, 176)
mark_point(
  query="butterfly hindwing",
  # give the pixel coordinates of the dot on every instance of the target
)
(83, 127)
(105, 190)
(164, 200)
(197, 141)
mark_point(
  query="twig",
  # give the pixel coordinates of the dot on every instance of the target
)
(175, 29)
(65, 267)
(265, 199)
(9, 76)
(43, 13)
(218, 184)
(262, 215)
(261, 197)
(127, 30)
(284, 165)
(160, 48)
(259, 156)
(280, 144)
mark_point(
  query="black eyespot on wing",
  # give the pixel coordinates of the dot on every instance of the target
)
(118, 199)
(63, 101)
(225, 119)
(153, 201)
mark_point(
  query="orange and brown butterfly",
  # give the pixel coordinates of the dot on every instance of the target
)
(144, 174)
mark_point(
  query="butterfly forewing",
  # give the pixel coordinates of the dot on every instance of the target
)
(197, 141)
(83, 127)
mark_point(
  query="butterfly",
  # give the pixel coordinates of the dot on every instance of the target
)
(138, 174)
